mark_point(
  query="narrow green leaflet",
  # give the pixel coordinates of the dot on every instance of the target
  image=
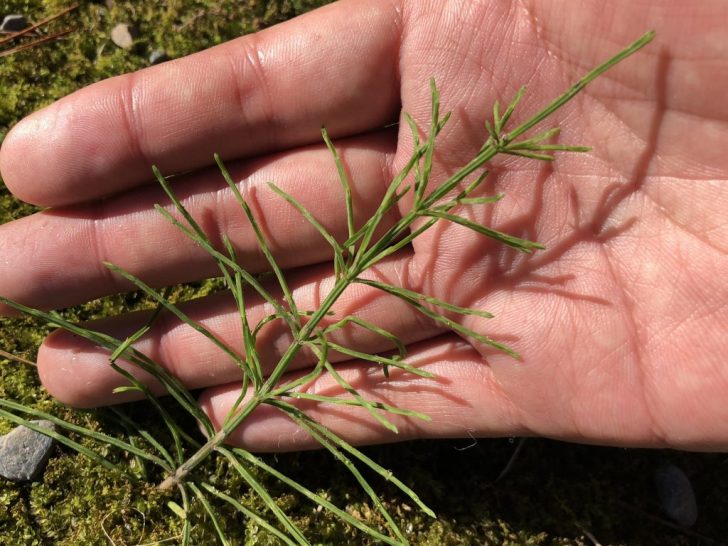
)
(248, 513)
(410, 295)
(262, 244)
(522, 245)
(211, 513)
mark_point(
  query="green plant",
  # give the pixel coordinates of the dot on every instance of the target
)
(178, 456)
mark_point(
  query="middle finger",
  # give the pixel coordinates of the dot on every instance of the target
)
(58, 254)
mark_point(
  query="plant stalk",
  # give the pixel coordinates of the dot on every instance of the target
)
(230, 425)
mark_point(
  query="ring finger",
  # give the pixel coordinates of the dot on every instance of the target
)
(77, 372)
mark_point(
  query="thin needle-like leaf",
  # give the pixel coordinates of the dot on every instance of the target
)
(373, 411)
(210, 512)
(522, 245)
(291, 527)
(132, 426)
(371, 226)
(89, 433)
(530, 155)
(376, 467)
(172, 384)
(98, 459)
(177, 312)
(411, 295)
(502, 120)
(469, 201)
(262, 243)
(248, 513)
(174, 429)
(186, 526)
(383, 360)
(421, 186)
(252, 369)
(318, 499)
(354, 402)
(338, 250)
(393, 239)
(581, 84)
(345, 183)
(221, 258)
(306, 378)
(139, 333)
(309, 425)
(351, 319)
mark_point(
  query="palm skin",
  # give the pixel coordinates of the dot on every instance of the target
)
(620, 322)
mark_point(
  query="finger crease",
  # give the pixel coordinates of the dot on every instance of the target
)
(130, 120)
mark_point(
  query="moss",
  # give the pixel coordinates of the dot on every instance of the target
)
(555, 493)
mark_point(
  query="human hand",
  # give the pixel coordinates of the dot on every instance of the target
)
(620, 321)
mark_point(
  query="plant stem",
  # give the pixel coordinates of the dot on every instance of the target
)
(219, 438)
(635, 46)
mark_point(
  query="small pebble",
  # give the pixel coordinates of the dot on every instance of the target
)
(13, 23)
(676, 494)
(158, 56)
(124, 35)
(25, 452)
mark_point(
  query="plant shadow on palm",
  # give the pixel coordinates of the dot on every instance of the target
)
(498, 267)
(359, 249)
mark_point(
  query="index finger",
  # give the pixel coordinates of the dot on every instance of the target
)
(336, 66)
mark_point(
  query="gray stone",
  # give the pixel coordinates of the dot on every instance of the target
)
(158, 56)
(13, 23)
(676, 494)
(25, 452)
(124, 35)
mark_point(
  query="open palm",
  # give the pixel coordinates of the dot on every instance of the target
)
(620, 322)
